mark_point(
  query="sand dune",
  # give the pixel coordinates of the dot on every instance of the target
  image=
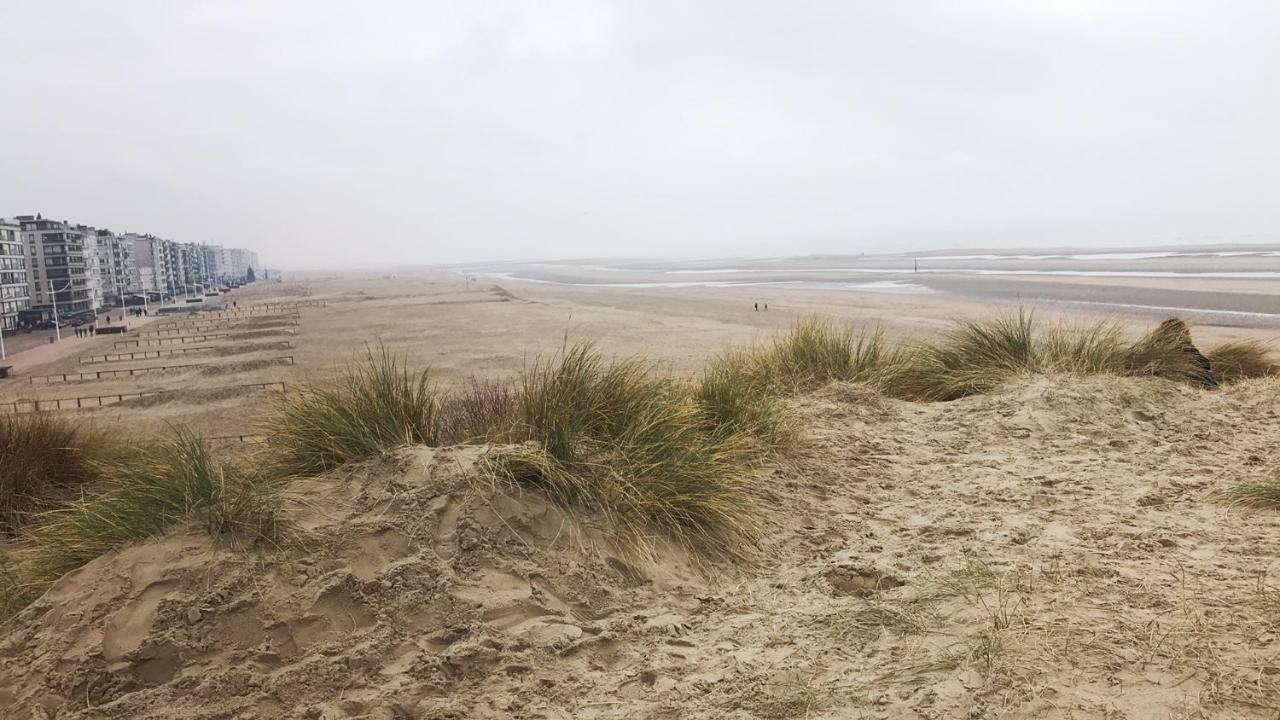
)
(1048, 550)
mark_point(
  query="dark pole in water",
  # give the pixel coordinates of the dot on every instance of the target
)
(915, 264)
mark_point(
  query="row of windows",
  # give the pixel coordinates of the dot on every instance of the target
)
(61, 250)
(13, 291)
(14, 279)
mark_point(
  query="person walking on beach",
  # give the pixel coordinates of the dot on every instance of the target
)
(757, 307)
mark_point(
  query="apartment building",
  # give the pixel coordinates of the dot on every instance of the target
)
(230, 264)
(151, 261)
(56, 270)
(177, 268)
(92, 266)
(15, 294)
(117, 271)
(195, 270)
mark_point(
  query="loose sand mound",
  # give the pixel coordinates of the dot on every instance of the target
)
(1045, 551)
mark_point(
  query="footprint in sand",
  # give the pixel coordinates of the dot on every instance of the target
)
(860, 582)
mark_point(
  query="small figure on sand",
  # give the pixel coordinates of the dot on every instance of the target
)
(757, 307)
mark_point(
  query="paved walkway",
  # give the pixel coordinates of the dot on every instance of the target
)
(26, 351)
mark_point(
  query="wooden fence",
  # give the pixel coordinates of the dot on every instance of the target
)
(168, 352)
(165, 330)
(245, 314)
(290, 304)
(88, 402)
(178, 340)
(54, 378)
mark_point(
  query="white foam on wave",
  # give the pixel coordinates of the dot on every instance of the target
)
(1243, 274)
(884, 286)
(1169, 308)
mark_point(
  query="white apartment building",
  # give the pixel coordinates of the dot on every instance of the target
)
(117, 270)
(15, 293)
(151, 259)
(92, 266)
(230, 264)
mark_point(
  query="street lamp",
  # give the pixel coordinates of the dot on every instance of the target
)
(57, 325)
(124, 302)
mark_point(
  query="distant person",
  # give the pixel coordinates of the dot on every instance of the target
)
(766, 307)
(757, 307)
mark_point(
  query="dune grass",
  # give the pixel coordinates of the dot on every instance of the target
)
(974, 357)
(1163, 353)
(634, 449)
(980, 355)
(375, 406)
(1263, 494)
(817, 350)
(734, 398)
(142, 495)
(1242, 360)
(45, 460)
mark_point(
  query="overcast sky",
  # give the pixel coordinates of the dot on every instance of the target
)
(367, 133)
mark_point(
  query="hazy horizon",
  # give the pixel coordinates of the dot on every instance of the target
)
(326, 135)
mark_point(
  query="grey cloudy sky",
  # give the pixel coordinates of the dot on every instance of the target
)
(381, 132)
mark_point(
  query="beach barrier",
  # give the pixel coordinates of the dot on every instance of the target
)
(292, 304)
(209, 327)
(54, 378)
(170, 352)
(179, 340)
(90, 402)
(244, 314)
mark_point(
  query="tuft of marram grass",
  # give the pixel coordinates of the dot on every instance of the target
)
(819, 350)
(973, 358)
(1262, 494)
(1084, 349)
(45, 460)
(143, 495)
(633, 448)
(733, 397)
(981, 354)
(375, 406)
(1241, 360)
(1164, 352)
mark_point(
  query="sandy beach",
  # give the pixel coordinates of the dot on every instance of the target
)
(464, 324)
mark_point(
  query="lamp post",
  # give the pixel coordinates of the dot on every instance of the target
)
(124, 302)
(57, 325)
